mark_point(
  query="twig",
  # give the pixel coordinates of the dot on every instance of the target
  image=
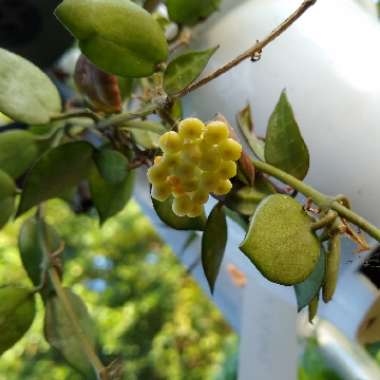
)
(80, 113)
(254, 51)
(124, 117)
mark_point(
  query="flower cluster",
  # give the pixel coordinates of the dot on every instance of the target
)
(196, 161)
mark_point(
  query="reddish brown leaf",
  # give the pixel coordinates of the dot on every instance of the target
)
(101, 89)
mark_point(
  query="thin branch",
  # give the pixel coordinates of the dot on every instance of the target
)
(78, 113)
(125, 117)
(254, 52)
(322, 200)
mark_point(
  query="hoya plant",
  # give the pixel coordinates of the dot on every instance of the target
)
(134, 70)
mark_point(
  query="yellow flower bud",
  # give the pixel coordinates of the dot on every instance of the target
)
(196, 210)
(157, 174)
(211, 159)
(192, 152)
(200, 196)
(170, 142)
(170, 160)
(182, 205)
(230, 150)
(185, 169)
(223, 187)
(227, 169)
(191, 128)
(161, 191)
(157, 160)
(209, 181)
(190, 184)
(216, 132)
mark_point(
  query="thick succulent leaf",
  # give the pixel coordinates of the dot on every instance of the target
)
(17, 312)
(185, 69)
(246, 126)
(26, 93)
(111, 164)
(332, 268)
(190, 12)
(285, 147)
(7, 198)
(118, 36)
(214, 242)
(246, 199)
(280, 242)
(18, 151)
(33, 248)
(100, 88)
(166, 214)
(62, 335)
(306, 291)
(57, 171)
(110, 198)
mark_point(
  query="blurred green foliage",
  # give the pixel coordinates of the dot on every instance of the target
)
(148, 312)
(313, 365)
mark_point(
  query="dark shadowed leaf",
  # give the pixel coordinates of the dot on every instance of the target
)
(111, 164)
(190, 12)
(110, 199)
(280, 242)
(166, 214)
(32, 247)
(17, 312)
(100, 88)
(284, 146)
(7, 198)
(214, 242)
(18, 151)
(55, 172)
(62, 335)
(118, 36)
(306, 291)
(26, 93)
(184, 69)
(246, 126)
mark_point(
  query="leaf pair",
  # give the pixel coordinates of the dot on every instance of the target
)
(284, 146)
(280, 242)
(118, 36)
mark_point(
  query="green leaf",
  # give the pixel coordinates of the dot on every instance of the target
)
(190, 12)
(306, 291)
(166, 214)
(118, 36)
(112, 165)
(62, 335)
(245, 124)
(7, 198)
(55, 172)
(18, 151)
(214, 242)
(17, 312)
(185, 69)
(32, 248)
(280, 242)
(146, 126)
(246, 199)
(110, 199)
(284, 145)
(26, 93)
